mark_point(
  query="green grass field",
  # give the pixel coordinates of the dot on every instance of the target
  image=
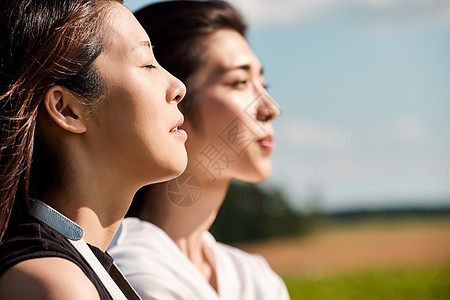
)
(410, 284)
(391, 259)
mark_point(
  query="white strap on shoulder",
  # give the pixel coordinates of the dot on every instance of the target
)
(107, 281)
(74, 235)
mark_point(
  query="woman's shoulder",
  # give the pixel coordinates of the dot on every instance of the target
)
(236, 255)
(42, 279)
(32, 245)
(31, 239)
(133, 231)
(139, 243)
(250, 271)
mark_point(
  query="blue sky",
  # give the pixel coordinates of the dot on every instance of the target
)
(364, 86)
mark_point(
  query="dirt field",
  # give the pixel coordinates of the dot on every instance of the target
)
(359, 246)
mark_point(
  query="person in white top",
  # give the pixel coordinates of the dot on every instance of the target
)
(167, 251)
(157, 269)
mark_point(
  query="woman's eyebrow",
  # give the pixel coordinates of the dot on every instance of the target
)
(245, 67)
(145, 44)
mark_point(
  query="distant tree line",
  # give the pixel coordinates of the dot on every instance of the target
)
(256, 212)
(253, 212)
(389, 214)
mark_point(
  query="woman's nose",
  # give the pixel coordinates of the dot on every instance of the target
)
(177, 90)
(267, 109)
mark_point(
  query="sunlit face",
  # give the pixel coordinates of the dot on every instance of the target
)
(233, 111)
(136, 126)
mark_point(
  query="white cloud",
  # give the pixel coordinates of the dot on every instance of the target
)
(315, 136)
(287, 12)
(409, 128)
(283, 12)
(404, 128)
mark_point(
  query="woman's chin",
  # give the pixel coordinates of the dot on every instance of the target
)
(179, 166)
(258, 174)
(173, 167)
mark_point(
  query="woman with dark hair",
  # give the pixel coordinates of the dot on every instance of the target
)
(87, 118)
(168, 253)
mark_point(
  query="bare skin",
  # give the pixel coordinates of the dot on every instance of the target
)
(185, 225)
(226, 86)
(29, 280)
(100, 176)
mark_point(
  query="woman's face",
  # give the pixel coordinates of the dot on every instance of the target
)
(231, 134)
(137, 124)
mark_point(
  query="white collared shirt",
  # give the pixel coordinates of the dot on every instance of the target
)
(157, 269)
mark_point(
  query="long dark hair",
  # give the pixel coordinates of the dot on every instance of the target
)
(178, 30)
(42, 43)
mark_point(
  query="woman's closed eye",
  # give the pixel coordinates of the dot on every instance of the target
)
(150, 66)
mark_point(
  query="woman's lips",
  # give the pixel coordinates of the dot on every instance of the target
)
(177, 131)
(267, 143)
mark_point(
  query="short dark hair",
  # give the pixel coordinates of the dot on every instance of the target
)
(178, 30)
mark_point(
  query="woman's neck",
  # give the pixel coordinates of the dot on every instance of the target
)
(92, 202)
(185, 208)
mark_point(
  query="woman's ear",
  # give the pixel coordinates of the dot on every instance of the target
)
(65, 109)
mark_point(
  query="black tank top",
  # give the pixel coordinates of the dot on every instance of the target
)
(34, 239)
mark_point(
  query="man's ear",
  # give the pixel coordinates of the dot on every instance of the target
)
(65, 110)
